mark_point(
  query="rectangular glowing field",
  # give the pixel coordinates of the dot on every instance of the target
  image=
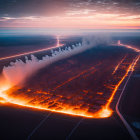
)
(83, 84)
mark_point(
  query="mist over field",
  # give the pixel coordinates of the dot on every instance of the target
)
(18, 71)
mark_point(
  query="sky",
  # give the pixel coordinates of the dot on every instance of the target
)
(79, 14)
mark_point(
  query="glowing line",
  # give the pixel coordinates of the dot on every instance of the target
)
(116, 68)
(128, 46)
(69, 80)
(31, 52)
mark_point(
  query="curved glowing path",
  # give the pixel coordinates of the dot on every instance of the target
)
(27, 53)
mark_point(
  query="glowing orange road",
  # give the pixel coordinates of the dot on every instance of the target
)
(31, 52)
(128, 46)
(116, 68)
(69, 80)
(130, 68)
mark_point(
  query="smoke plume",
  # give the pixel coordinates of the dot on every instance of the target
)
(17, 72)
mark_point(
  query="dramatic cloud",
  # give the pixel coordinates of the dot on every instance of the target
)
(70, 13)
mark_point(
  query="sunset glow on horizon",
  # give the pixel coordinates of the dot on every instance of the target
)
(88, 14)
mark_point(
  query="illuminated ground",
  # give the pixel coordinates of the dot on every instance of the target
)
(82, 85)
(72, 90)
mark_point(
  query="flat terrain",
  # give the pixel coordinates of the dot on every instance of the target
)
(82, 84)
(130, 102)
(18, 123)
